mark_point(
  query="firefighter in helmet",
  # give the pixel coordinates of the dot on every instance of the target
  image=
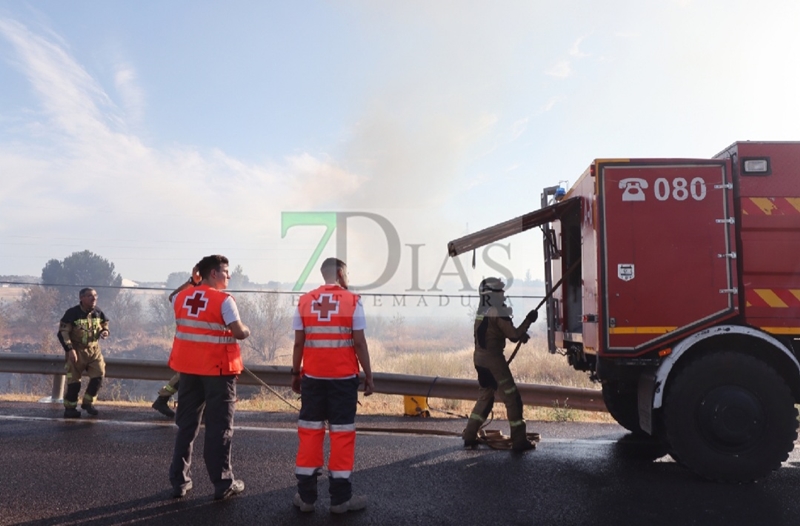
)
(493, 326)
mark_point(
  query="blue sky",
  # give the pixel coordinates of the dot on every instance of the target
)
(154, 133)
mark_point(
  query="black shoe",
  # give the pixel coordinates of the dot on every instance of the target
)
(471, 443)
(236, 487)
(523, 447)
(162, 407)
(71, 412)
(89, 408)
(180, 492)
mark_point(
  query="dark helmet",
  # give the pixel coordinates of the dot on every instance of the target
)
(491, 292)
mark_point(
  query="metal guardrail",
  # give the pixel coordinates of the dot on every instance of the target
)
(275, 375)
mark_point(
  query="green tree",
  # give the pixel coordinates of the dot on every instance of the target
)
(35, 318)
(176, 279)
(270, 320)
(239, 280)
(78, 270)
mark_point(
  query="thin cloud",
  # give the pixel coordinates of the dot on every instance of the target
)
(69, 95)
(92, 170)
(575, 50)
(131, 93)
(518, 128)
(550, 104)
(561, 69)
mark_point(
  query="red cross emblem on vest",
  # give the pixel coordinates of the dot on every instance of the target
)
(195, 304)
(324, 307)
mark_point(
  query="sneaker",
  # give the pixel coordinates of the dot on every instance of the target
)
(356, 502)
(236, 487)
(71, 412)
(305, 507)
(89, 408)
(180, 492)
(162, 407)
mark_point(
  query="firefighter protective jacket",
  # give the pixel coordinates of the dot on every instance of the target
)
(81, 330)
(492, 328)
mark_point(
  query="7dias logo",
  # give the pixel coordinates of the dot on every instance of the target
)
(337, 221)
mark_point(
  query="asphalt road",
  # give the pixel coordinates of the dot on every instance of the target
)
(113, 470)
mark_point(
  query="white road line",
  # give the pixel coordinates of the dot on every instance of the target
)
(574, 441)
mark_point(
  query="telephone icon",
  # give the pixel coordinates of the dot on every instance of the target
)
(633, 187)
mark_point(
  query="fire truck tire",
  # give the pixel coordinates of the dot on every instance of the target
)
(622, 402)
(730, 417)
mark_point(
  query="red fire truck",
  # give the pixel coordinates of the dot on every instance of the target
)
(678, 288)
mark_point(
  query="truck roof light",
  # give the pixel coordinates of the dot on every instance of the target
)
(755, 166)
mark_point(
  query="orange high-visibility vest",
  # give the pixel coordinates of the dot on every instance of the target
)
(203, 344)
(327, 314)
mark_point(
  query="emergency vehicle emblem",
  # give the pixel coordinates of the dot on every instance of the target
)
(195, 304)
(324, 307)
(625, 271)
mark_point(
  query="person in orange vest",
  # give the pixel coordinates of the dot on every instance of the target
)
(329, 344)
(206, 353)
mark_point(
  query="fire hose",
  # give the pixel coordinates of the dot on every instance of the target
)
(546, 297)
(493, 438)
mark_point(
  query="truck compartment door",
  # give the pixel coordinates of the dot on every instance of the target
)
(667, 251)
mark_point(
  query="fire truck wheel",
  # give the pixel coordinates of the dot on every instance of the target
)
(622, 401)
(730, 417)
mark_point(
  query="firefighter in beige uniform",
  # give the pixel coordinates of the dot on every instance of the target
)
(164, 394)
(493, 326)
(80, 331)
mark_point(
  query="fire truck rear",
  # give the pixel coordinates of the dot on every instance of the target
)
(679, 290)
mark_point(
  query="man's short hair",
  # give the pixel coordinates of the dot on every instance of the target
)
(83, 292)
(209, 263)
(330, 266)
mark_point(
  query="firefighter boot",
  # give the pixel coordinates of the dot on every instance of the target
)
(71, 400)
(71, 412)
(162, 406)
(519, 437)
(91, 395)
(470, 433)
(89, 408)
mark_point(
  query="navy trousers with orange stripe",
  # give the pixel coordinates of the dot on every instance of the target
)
(333, 401)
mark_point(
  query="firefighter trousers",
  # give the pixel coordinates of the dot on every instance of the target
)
(90, 362)
(495, 379)
(171, 387)
(334, 401)
(216, 396)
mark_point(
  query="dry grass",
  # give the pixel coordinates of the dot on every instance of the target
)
(533, 364)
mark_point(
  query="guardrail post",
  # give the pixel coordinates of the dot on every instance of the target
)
(57, 396)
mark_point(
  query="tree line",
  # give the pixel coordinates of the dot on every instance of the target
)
(142, 322)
